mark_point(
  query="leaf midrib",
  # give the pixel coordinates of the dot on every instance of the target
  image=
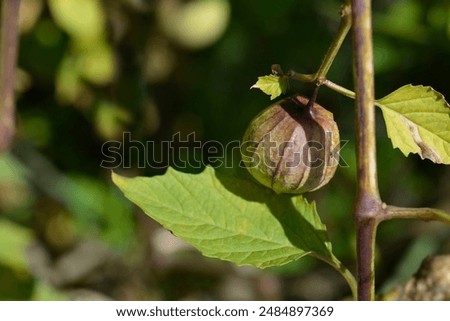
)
(204, 223)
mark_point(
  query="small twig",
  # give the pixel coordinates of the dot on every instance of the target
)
(338, 88)
(8, 58)
(320, 75)
(425, 213)
(301, 77)
(344, 27)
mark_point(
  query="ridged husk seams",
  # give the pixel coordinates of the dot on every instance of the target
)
(292, 147)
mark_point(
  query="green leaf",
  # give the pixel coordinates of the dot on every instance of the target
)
(418, 121)
(272, 85)
(231, 218)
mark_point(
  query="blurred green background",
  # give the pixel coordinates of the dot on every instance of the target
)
(90, 70)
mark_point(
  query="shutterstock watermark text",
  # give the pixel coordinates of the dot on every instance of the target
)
(189, 152)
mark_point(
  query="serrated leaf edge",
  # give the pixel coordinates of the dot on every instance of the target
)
(422, 149)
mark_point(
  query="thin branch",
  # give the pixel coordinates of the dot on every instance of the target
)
(338, 88)
(301, 77)
(344, 27)
(424, 213)
(8, 58)
(320, 76)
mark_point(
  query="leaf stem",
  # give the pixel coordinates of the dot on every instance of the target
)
(338, 266)
(8, 58)
(368, 203)
(347, 275)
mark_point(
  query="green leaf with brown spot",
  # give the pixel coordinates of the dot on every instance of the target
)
(418, 121)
